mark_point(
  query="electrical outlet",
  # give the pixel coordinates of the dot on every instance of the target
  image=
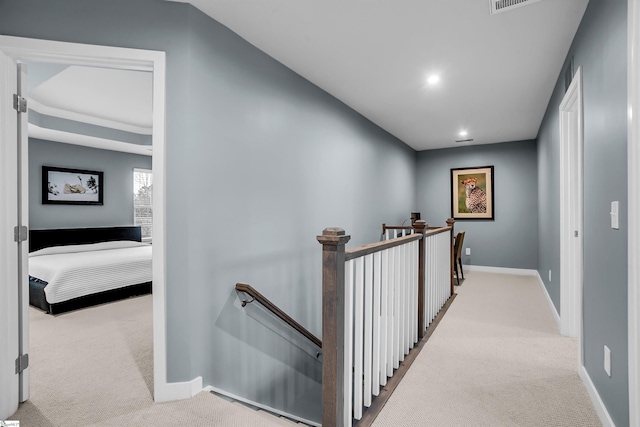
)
(607, 360)
(468, 252)
(549, 276)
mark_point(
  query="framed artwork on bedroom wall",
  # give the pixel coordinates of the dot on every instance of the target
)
(472, 193)
(63, 186)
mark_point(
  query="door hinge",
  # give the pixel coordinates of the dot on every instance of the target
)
(19, 104)
(575, 233)
(20, 233)
(22, 363)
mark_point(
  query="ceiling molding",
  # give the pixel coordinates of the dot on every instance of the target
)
(87, 141)
(85, 118)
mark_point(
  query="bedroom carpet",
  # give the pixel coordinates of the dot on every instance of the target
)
(500, 362)
(93, 367)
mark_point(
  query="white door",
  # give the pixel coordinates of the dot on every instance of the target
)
(13, 287)
(9, 308)
(23, 245)
(571, 196)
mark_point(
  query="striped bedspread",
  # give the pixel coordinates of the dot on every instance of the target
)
(78, 270)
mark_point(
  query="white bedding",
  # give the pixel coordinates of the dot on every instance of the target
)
(78, 270)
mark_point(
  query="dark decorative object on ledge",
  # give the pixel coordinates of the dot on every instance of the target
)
(62, 186)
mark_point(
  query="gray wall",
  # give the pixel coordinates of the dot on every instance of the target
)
(600, 47)
(511, 240)
(118, 185)
(279, 159)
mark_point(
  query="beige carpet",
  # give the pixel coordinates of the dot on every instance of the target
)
(496, 359)
(93, 367)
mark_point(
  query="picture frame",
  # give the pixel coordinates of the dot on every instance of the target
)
(479, 204)
(65, 186)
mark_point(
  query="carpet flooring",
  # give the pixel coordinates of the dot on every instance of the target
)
(94, 367)
(496, 359)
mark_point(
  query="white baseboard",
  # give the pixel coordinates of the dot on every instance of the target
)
(556, 316)
(177, 391)
(598, 404)
(261, 406)
(501, 270)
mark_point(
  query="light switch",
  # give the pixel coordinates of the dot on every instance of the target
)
(607, 360)
(614, 215)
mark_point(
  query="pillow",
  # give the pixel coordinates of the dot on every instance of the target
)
(101, 246)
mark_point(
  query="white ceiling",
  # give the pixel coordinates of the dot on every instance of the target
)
(497, 71)
(110, 98)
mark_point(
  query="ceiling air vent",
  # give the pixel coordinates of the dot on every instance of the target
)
(498, 6)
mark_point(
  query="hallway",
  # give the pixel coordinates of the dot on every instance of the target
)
(496, 359)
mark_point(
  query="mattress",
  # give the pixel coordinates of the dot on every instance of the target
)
(78, 270)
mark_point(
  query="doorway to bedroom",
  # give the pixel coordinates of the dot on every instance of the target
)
(73, 56)
(90, 169)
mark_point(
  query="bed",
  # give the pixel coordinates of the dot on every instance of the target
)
(79, 267)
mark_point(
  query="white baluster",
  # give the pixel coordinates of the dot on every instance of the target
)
(403, 302)
(368, 327)
(377, 329)
(416, 254)
(348, 343)
(357, 341)
(397, 295)
(390, 312)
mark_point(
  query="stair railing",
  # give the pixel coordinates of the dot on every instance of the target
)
(275, 311)
(377, 302)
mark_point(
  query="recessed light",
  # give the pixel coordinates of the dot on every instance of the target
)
(463, 133)
(433, 79)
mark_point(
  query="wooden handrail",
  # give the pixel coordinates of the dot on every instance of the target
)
(437, 230)
(386, 227)
(257, 296)
(379, 246)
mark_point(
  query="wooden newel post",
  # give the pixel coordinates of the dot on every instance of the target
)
(333, 241)
(420, 227)
(450, 223)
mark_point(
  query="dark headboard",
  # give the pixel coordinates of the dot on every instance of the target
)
(39, 239)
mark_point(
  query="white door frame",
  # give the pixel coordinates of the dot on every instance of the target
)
(23, 220)
(571, 142)
(9, 281)
(131, 59)
(633, 163)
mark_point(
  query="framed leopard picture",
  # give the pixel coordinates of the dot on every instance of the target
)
(472, 193)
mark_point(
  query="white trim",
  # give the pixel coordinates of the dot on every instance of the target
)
(598, 404)
(36, 131)
(41, 108)
(130, 59)
(9, 309)
(261, 406)
(571, 141)
(178, 391)
(23, 247)
(633, 298)
(502, 270)
(556, 316)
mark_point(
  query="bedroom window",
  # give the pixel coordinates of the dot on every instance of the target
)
(143, 202)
